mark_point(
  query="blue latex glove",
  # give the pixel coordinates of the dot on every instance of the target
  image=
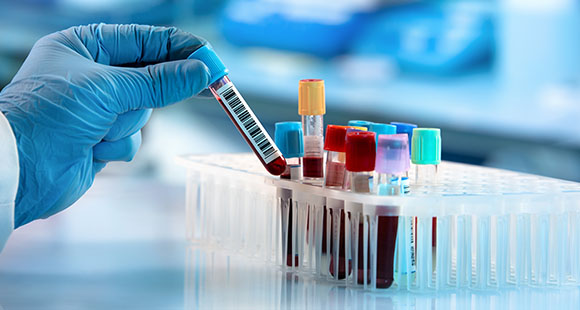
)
(80, 100)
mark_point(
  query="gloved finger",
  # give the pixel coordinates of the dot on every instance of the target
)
(127, 124)
(121, 150)
(132, 44)
(158, 85)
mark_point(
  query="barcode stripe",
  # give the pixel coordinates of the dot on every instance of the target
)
(246, 119)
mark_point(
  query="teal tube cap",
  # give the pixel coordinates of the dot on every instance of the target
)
(359, 123)
(208, 56)
(289, 139)
(426, 146)
(382, 129)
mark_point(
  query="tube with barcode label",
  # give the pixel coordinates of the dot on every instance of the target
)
(240, 113)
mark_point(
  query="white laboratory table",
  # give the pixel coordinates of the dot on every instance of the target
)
(122, 246)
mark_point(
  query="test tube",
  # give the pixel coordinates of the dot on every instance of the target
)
(392, 164)
(239, 112)
(312, 107)
(288, 136)
(346, 182)
(335, 156)
(381, 129)
(360, 149)
(406, 128)
(426, 155)
(335, 169)
(334, 145)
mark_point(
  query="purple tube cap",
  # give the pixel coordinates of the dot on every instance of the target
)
(393, 154)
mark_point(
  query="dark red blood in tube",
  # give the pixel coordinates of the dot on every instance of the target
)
(386, 241)
(312, 167)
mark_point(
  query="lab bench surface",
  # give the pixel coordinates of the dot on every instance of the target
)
(122, 246)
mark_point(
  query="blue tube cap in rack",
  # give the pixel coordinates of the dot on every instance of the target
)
(359, 123)
(382, 129)
(405, 128)
(289, 139)
(217, 69)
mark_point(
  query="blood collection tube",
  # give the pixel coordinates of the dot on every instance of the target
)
(288, 137)
(335, 156)
(334, 145)
(406, 128)
(335, 167)
(346, 182)
(381, 129)
(392, 164)
(312, 107)
(360, 149)
(239, 112)
(426, 156)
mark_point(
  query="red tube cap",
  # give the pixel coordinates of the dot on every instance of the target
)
(360, 151)
(335, 138)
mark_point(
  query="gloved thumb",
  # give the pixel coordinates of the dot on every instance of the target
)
(159, 85)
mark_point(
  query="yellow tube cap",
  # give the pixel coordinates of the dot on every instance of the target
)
(358, 128)
(311, 97)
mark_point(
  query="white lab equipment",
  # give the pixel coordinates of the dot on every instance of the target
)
(495, 228)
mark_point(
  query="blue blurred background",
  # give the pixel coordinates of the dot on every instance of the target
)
(500, 78)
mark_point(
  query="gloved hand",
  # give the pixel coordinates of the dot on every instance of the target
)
(80, 100)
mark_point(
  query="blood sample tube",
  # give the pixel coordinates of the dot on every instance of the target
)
(334, 209)
(288, 137)
(360, 149)
(312, 107)
(346, 182)
(426, 155)
(381, 129)
(391, 165)
(239, 112)
(406, 128)
(334, 144)
(335, 156)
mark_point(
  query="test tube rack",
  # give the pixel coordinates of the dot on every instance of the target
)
(494, 228)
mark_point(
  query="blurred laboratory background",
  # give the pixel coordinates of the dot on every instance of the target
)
(500, 78)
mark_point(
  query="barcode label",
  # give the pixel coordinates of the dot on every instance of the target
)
(248, 122)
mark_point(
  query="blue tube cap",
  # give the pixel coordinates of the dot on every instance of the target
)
(383, 129)
(208, 56)
(405, 128)
(289, 139)
(359, 123)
